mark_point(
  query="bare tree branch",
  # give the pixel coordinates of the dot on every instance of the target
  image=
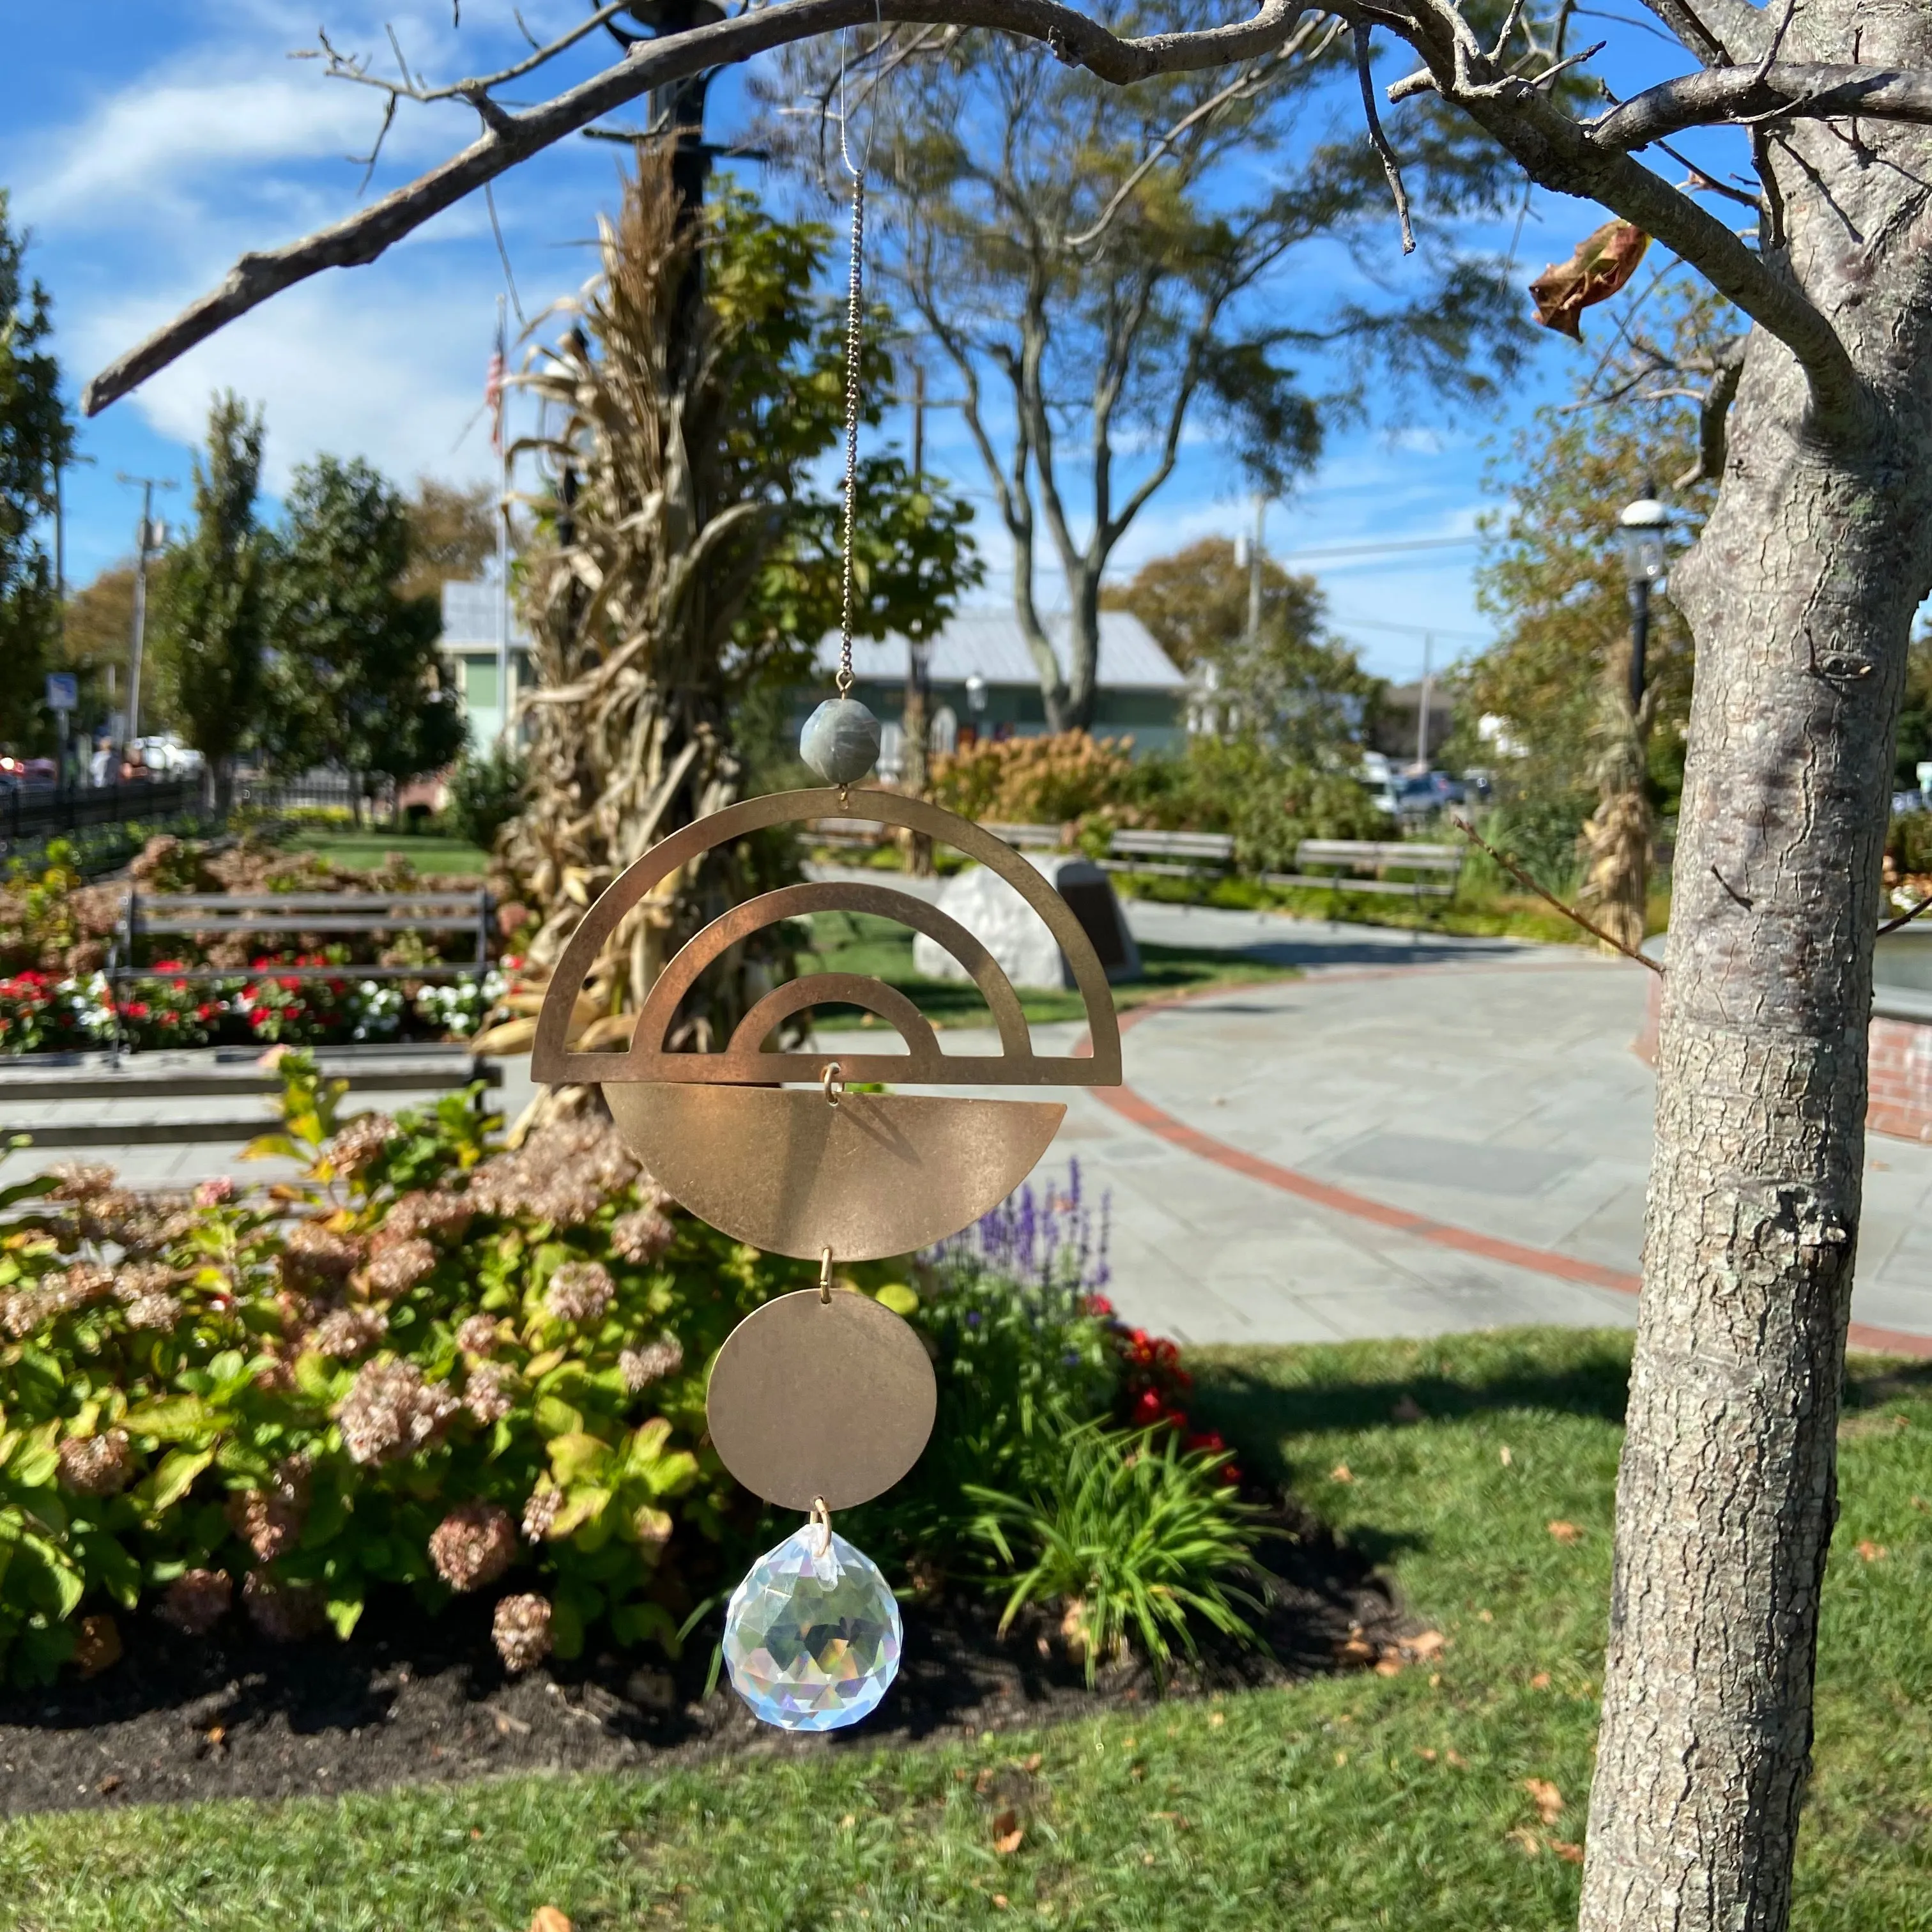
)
(1569, 912)
(1391, 166)
(1069, 34)
(1719, 32)
(1740, 95)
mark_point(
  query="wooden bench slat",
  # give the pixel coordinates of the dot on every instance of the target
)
(442, 969)
(299, 922)
(1333, 882)
(236, 903)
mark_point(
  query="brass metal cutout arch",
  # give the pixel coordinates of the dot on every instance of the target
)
(742, 1063)
(782, 1166)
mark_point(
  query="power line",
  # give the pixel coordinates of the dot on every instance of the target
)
(1379, 549)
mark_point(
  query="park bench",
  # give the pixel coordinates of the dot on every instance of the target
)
(1360, 863)
(1180, 855)
(209, 917)
(1030, 837)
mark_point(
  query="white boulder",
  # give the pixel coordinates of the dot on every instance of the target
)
(1017, 937)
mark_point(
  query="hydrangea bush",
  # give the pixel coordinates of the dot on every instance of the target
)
(438, 1363)
(431, 1364)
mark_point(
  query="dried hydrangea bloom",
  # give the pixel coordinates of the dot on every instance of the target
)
(358, 1145)
(399, 1265)
(580, 1291)
(486, 1393)
(216, 1192)
(473, 1545)
(196, 1601)
(282, 1612)
(477, 1334)
(427, 1212)
(96, 1465)
(97, 1644)
(391, 1412)
(642, 1236)
(346, 1332)
(311, 1253)
(542, 1510)
(157, 1312)
(133, 1279)
(79, 1181)
(137, 1223)
(269, 1520)
(521, 1630)
(643, 1366)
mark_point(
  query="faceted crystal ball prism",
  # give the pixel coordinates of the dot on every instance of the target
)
(840, 741)
(812, 1640)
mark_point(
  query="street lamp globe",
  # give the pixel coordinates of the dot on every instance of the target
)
(1642, 527)
(976, 693)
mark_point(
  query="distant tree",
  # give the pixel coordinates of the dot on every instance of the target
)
(99, 623)
(452, 534)
(1288, 686)
(207, 624)
(355, 678)
(36, 439)
(1104, 268)
(1196, 600)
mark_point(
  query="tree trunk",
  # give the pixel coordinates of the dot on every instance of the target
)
(1800, 595)
(1083, 645)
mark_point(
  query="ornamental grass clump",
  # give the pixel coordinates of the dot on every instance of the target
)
(1134, 1536)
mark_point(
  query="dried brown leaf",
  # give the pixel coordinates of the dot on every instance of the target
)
(1604, 263)
(549, 1919)
(1547, 1799)
(1564, 1532)
(1008, 1832)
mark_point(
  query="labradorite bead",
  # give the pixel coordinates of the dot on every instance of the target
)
(840, 741)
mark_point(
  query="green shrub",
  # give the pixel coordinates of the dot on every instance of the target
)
(485, 793)
(433, 1364)
(1134, 1535)
(1908, 844)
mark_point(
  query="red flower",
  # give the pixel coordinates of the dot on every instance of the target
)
(1099, 1305)
(1146, 1409)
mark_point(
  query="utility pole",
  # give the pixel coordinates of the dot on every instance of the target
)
(1422, 705)
(500, 372)
(149, 537)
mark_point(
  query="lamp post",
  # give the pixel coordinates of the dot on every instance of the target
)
(1642, 527)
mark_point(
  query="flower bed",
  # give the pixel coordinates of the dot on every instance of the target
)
(443, 1366)
(56, 930)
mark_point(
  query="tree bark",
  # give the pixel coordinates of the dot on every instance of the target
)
(1800, 595)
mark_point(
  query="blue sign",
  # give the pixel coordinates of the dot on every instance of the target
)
(63, 691)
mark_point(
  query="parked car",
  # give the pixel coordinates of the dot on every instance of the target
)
(164, 756)
(1423, 794)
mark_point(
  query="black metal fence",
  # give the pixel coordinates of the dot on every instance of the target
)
(31, 812)
(317, 790)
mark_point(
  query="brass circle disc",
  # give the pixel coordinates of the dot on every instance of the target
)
(810, 1399)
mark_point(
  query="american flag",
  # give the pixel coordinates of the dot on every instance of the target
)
(493, 390)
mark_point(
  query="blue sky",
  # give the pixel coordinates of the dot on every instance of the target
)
(147, 144)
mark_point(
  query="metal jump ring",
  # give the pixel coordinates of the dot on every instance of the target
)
(821, 1518)
(831, 1083)
(825, 1277)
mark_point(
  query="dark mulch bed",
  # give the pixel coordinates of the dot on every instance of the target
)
(411, 1699)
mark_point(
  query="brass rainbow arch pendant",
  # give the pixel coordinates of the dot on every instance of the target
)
(820, 1400)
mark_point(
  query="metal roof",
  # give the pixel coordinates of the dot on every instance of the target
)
(987, 641)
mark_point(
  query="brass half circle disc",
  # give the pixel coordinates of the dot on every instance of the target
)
(811, 1398)
(879, 1173)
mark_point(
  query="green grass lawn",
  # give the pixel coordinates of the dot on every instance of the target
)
(1345, 1803)
(863, 943)
(365, 851)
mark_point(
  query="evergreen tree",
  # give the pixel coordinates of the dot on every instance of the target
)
(36, 439)
(208, 632)
(355, 678)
